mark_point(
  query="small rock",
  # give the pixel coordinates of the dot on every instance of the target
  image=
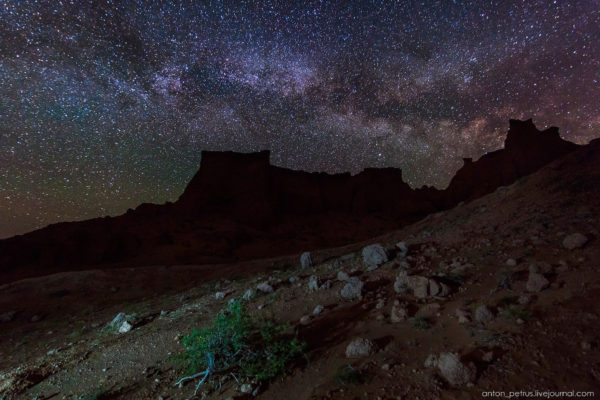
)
(483, 315)
(524, 299)
(293, 279)
(326, 285)
(219, 295)
(306, 260)
(399, 312)
(574, 241)
(434, 288)
(360, 347)
(313, 283)
(419, 286)
(586, 345)
(305, 319)
(431, 361)
(265, 287)
(488, 356)
(400, 285)
(403, 249)
(342, 276)
(7, 316)
(248, 295)
(454, 370)
(246, 388)
(352, 289)
(373, 256)
(511, 262)
(318, 310)
(463, 315)
(36, 318)
(540, 267)
(536, 282)
(125, 327)
(380, 304)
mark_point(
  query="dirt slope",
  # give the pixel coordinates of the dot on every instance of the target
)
(527, 340)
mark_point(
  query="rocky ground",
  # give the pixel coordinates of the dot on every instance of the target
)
(497, 294)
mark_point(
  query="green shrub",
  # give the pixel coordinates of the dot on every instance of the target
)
(516, 312)
(237, 344)
(348, 375)
(421, 323)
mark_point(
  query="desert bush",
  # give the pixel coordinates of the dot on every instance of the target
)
(237, 344)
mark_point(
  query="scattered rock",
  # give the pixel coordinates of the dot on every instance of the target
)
(264, 287)
(399, 312)
(483, 315)
(419, 286)
(454, 370)
(536, 282)
(540, 267)
(511, 262)
(306, 260)
(574, 241)
(524, 299)
(464, 317)
(403, 249)
(400, 285)
(248, 295)
(7, 316)
(219, 295)
(313, 283)
(342, 276)
(373, 256)
(125, 327)
(293, 279)
(318, 310)
(246, 388)
(326, 285)
(36, 318)
(431, 361)
(360, 347)
(352, 289)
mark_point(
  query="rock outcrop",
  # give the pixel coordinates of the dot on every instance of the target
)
(239, 207)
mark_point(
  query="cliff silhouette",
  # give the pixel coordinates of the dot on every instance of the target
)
(239, 207)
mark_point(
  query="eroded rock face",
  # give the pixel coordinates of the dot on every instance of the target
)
(243, 190)
(359, 348)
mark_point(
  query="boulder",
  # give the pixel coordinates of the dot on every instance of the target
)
(352, 290)
(374, 255)
(306, 260)
(454, 370)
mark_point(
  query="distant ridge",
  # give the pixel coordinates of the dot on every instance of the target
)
(238, 206)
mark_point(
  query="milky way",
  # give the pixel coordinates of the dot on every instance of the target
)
(108, 104)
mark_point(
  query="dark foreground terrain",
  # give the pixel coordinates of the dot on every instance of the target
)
(499, 293)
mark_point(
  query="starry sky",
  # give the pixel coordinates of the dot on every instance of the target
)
(106, 104)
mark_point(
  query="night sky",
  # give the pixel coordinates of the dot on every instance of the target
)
(108, 104)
